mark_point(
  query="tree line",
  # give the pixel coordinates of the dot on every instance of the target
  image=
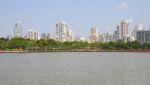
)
(24, 44)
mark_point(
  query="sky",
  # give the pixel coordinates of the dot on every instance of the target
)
(80, 15)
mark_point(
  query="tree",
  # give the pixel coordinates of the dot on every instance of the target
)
(111, 46)
(120, 44)
(135, 45)
(96, 45)
(3, 43)
(42, 43)
(18, 43)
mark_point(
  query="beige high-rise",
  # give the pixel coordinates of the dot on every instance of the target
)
(124, 28)
(93, 35)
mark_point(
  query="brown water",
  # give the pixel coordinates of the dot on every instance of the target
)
(97, 68)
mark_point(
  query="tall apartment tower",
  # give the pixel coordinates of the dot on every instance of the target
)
(32, 35)
(93, 35)
(45, 36)
(108, 37)
(136, 29)
(70, 36)
(18, 29)
(124, 28)
(143, 36)
(117, 34)
(61, 31)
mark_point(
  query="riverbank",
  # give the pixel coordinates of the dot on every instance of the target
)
(74, 50)
(13, 51)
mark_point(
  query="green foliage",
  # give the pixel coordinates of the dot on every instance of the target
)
(146, 46)
(79, 45)
(41, 43)
(21, 43)
(3, 43)
(95, 45)
(17, 43)
(120, 44)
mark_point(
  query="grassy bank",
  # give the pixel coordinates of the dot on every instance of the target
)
(25, 45)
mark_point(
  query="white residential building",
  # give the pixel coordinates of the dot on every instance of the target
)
(18, 30)
(32, 35)
(70, 36)
(44, 36)
(93, 35)
(136, 29)
(63, 33)
(124, 28)
(47, 36)
(108, 37)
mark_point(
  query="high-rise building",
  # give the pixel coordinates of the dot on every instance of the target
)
(70, 36)
(51, 36)
(121, 31)
(117, 34)
(44, 36)
(101, 38)
(124, 28)
(136, 29)
(61, 31)
(129, 38)
(47, 36)
(94, 30)
(143, 36)
(32, 35)
(108, 37)
(18, 30)
(93, 35)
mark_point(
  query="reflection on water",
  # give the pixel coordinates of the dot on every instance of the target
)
(102, 68)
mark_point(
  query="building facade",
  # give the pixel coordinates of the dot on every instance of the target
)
(44, 36)
(117, 34)
(101, 37)
(47, 36)
(108, 37)
(143, 36)
(124, 28)
(93, 35)
(63, 33)
(70, 36)
(136, 29)
(18, 30)
(121, 32)
(32, 35)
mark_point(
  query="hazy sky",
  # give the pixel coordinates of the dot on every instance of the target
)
(81, 15)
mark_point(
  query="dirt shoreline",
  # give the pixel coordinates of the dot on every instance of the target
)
(35, 51)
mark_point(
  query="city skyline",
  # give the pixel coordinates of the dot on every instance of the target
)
(80, 15)
(63, 33)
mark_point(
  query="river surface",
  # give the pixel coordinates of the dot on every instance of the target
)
(71, 68)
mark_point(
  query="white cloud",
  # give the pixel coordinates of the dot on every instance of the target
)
(122, 6)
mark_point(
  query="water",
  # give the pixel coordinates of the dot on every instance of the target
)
(103, 68)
